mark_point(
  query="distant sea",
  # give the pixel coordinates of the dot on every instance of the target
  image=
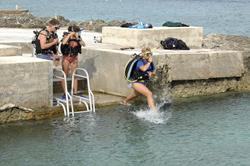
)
(216, 16)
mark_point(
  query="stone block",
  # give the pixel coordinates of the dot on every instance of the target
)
(7, 50)
(202, 65)
(192, 36)
(25, 81)
(106, 70)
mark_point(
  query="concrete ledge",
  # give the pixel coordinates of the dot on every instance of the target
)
(26, 81)
(192, 36)
(202, 64)
(106, 66)
(7, 50)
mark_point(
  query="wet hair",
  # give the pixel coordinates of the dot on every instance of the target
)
(53, 22)
(74, 28)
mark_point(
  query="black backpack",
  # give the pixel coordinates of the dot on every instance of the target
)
(174, 44)
(127, 24)
(36, 42)
(174, 24)
(130, 67)
(131, 75)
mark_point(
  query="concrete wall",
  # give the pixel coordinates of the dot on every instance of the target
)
(7, 50)
(192, 36)
(25, 81)
(106, 67)
(202, 64)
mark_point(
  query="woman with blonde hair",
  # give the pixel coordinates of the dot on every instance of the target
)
(143, 71)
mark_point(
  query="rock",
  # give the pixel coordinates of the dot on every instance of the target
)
(226, 42)
(96, 25)
(10, 106)
(201, 87)
(27, 20)
(11, 113)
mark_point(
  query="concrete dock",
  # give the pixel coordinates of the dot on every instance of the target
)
(28, 81)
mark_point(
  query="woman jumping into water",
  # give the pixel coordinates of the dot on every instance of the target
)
(143, 71)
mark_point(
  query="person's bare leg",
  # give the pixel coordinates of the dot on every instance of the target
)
(131, 96)
(142, 89)
(65, 67)
(74, 65)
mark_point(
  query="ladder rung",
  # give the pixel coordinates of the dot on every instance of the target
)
(60, 100)
(59, 79)
(78, 112)
(77, 75)
(68, 79)
(82, 97)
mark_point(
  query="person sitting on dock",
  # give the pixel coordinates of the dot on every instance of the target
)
(144, 69)
(70, 48)
(48, 41)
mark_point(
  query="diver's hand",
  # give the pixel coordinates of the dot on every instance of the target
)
(151, 74)
(55, 41)
(72, 34)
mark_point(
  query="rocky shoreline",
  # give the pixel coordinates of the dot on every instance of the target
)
(24, 19)
(226, 42)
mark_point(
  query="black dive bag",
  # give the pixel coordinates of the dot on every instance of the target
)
(131, 75)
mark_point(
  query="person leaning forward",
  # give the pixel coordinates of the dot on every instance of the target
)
(145, 69)
(49, 40)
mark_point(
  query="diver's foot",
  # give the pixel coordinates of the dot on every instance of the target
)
(125, 103)
(154, 109)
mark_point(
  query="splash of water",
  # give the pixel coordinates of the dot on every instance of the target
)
(161, 116)
(162, 96)
(156, 117)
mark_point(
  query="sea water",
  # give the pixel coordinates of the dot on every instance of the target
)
(216, 16)
(202, 131)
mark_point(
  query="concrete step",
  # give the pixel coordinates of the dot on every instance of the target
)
(8, 50)
(101, 99)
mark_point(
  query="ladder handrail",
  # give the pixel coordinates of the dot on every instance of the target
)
(87, 77)
(67, 94)
(90, 93)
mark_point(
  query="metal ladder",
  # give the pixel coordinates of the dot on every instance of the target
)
(61, 76)
(88, 99)
(67, 103)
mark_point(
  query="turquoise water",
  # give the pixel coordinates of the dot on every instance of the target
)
(203, 131)
(216, 16)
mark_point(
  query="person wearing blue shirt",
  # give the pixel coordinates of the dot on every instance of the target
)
(143, 71)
